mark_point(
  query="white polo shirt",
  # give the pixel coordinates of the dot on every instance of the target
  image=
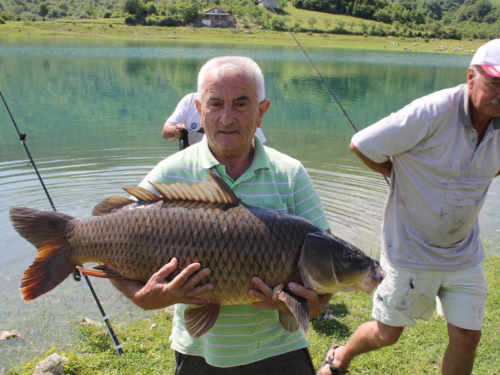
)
(439, 180)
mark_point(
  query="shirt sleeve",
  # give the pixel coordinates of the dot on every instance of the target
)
(180, 113)
(395, 134)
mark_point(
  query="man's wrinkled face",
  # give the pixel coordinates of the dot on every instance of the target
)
(230, 111)
(484, 92)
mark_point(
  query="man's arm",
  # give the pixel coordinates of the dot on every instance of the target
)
(384, 168)
(158, 292)
(178, 119)
(172, 131)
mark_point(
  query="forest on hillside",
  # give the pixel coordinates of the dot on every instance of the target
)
(449, 19)
(477, 19)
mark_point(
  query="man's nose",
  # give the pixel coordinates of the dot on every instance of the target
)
(227, 115)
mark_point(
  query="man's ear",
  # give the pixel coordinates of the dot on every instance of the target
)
(198, 106)
(470, 78)
(263, 107)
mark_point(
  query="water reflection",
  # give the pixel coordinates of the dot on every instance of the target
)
(168, 50)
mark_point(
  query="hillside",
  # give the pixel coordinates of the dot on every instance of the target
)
(428, 19)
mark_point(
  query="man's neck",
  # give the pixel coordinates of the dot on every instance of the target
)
(236, 166)
(479, 122)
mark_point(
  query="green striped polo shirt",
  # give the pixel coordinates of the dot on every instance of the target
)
(243, 333)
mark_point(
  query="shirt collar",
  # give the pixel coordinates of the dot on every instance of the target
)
(465, 111)
(260, 160)
(208, 160)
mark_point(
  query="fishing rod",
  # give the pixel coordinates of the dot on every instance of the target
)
(322, 79)
(76, 274)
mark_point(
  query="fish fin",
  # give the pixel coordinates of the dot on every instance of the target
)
(288, 322)
(110, 204)
(298, 307)
(213, 193)
(214, 190)
(142, 194)
(229, 194)
(46, 231)
(199, 319)
(101, 271)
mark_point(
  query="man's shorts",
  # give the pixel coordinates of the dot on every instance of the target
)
(405, 295)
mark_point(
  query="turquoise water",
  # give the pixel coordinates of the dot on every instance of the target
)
(93, 112)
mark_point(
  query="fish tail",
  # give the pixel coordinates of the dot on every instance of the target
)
(46, 231)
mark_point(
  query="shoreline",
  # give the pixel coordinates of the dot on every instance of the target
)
(115, 28)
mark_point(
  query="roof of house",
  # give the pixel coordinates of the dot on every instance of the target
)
(217, 10)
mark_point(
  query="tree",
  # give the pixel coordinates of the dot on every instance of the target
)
(150, 8)
(188, 10)
(383, 15)
(134, 7)
(483, 7)
(43, 10)
(282, 4)
(364, 27)
(433, 9)
(312, 21)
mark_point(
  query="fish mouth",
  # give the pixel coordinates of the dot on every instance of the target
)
(373, 279)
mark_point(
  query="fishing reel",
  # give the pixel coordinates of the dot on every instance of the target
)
(183, 140)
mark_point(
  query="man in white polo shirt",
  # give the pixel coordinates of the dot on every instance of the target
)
(441, 153)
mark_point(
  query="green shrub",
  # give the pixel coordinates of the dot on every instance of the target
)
(131, 20)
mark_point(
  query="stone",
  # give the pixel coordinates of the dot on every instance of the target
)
(52, 365)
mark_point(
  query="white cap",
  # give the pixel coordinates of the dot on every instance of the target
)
(488, 56)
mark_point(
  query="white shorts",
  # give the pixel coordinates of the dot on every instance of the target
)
(405, 295)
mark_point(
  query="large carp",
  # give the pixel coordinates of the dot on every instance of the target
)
(203, 223)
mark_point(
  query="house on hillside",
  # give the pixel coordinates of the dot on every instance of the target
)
(217, 17)
(269, 3)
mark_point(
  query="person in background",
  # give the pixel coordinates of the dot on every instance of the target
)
(441, 153)
(246, 339)
(186, 116)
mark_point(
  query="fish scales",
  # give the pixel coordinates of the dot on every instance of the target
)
(134, 239)
(138, 242)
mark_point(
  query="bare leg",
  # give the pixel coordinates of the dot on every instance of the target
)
(368, 337)
(461, 351)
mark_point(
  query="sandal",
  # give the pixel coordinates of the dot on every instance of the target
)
(329, 361)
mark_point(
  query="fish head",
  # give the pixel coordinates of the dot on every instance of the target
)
(328, 264)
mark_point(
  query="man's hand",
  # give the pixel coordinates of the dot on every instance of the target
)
(158, 292)
(269, 297)
(172, 132)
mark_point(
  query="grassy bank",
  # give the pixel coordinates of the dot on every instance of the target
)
(419, 350)
(116, 29)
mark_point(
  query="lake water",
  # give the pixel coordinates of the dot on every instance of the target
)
(93, 112)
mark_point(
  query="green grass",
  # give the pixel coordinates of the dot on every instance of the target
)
(115, 29)
(301, 16)
(419, 351)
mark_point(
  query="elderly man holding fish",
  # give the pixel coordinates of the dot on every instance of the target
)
(441, 152)
(248, 213)
(246, 339)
